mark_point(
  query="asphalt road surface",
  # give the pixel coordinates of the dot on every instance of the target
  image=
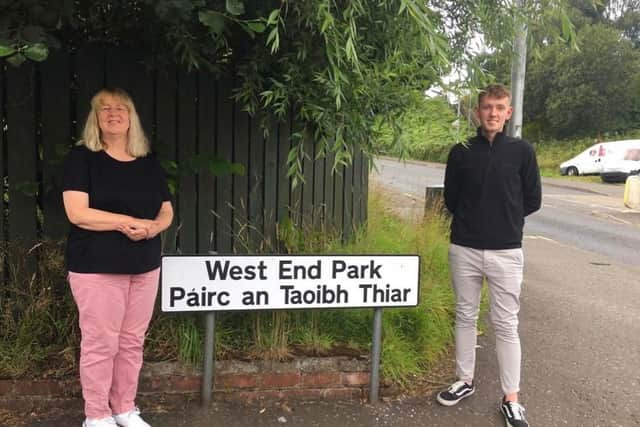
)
(589, 216)
(580, 327)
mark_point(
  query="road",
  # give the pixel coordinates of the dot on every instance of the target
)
(580, 328)
(590, 216)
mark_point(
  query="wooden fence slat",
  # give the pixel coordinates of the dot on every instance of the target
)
(295, 202)
(347, 222)
(224, 225)
(165, 138)
(366, 167)
(357, 188)
(256, 174)
(329, 186)
(119, 66)
(318, 203)
(284, 183)
(206, 148)
(240, 182)
(271, 186)
(90, 71)
(187, 199)
(56, 138)
(309, 167)
(21, 152)
(338, 198)
(3, 141)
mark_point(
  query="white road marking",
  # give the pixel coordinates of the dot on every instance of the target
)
(611, 217)
(538, 237)
(576, 200)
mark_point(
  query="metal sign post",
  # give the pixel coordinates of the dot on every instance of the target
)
(209, 362)
(376, 348)
(208, 369)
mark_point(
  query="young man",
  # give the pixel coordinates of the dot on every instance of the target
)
(491, 183)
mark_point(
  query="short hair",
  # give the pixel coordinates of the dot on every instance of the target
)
(494, 91)
(137, 142)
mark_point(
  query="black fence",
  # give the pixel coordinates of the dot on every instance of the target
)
(186, 115)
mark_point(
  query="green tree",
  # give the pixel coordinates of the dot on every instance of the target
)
(587, 91)
(621, 14)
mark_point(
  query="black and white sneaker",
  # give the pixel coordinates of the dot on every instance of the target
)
(455, 393)
(513, 413)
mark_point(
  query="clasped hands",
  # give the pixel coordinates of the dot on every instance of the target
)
(139, 229)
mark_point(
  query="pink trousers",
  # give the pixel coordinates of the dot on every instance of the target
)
(115, 310)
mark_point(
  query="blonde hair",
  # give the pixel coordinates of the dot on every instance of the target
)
(494, 91)
(137, 142)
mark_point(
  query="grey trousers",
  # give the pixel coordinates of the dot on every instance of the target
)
(503, 270)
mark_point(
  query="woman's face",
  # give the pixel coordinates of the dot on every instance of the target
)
(113, 116)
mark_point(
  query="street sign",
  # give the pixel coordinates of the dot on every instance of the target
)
(240, 282)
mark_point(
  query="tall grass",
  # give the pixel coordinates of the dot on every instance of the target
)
(38, 329)
(38, 318)
(413, 338)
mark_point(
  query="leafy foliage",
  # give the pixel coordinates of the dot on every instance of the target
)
(426, 131)
(337, 70)
(337, 67)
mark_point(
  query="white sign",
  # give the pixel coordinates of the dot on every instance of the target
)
(229, 282)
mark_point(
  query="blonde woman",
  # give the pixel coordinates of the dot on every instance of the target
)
(116, 197)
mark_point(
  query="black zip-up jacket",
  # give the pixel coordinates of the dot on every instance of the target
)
(489, 189)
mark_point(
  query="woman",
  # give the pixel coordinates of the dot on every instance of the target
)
(117, 200)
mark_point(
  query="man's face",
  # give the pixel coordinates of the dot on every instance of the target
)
(493, 112)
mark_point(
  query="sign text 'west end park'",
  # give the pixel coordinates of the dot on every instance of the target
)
(229, 282)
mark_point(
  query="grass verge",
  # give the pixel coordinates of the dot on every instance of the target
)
(39, 336)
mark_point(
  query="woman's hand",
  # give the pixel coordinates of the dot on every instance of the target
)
(154, 229)
(162, 220)
(135, 234)
(136, 229)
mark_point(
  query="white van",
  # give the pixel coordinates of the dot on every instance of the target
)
(624, 163)
(615, 156)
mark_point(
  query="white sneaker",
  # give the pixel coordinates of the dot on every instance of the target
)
(99, 422)
(130, 419)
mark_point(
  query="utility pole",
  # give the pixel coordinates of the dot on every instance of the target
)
(518, 71)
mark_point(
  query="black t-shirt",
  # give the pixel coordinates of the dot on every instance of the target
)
(136, 188)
